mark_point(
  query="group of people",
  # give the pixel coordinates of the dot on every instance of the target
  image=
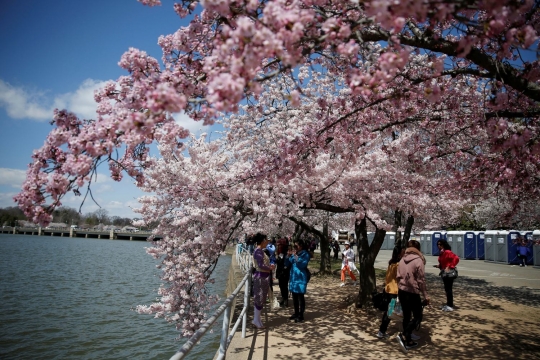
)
(405, 281)
(291, 272)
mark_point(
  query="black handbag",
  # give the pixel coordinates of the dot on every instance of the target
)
(380, 300)
(450, 274)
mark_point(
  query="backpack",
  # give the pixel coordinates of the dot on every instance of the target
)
(308, 275)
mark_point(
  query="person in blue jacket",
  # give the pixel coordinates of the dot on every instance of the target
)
(297, 261)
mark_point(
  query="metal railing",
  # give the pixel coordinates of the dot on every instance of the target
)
(243, 258)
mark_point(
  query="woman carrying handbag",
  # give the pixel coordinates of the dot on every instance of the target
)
(447, 263)
(390, 288)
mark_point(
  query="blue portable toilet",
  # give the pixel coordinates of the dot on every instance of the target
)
(490, 238)
(428, 241)
(528, 236)
(480, 250)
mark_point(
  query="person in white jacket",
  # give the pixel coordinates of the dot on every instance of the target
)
(347, 264)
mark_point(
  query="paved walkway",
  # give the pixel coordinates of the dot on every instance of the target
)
(331, 332)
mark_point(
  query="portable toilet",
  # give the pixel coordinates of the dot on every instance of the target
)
(389, 241)
(528, 236)
(505, 247)
(480, 250)
(451, 238)
(463, 243)
(490, 238)
(428, 241)
(469, 245)
(536, 235)
(425, 241)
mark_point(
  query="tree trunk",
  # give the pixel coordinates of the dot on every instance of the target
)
(298, 230)
(326, 265)
(398, 215)
(408, 229)
(367, 256)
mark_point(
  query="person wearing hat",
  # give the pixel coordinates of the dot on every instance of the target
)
(347, 264)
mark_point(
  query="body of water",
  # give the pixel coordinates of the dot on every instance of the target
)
(72, 298)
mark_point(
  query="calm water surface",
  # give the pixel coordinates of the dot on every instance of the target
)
(71, 298)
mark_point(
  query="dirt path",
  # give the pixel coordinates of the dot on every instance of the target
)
(489, 323)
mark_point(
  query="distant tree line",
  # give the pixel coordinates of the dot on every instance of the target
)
(9, 216)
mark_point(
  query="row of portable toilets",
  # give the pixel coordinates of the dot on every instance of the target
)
(491, 245)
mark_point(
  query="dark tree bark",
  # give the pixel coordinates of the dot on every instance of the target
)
(397, 224)
(367, 256)
(325, 264)
(408, 228)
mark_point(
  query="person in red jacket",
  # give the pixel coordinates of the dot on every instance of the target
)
(447, 261)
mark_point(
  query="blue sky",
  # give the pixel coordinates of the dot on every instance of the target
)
(54, 54)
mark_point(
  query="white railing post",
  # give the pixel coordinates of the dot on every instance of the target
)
(223, 345)
(247, 295)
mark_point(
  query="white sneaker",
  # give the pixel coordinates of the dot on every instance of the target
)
(401, 343)
(342, 284)
(415, 337)
(448, 308)
(382, 335)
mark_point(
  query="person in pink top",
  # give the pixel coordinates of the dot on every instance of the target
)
(447, 261)
(411, 284)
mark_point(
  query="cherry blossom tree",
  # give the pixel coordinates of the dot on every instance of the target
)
(329, 107)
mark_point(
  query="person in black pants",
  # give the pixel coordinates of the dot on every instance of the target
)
(390, 288)
(411, 283)
(282, 271)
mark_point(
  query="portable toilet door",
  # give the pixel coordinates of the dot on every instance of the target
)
(455, 240)
(450, 236)
(469, 245)
(490, 238)
(528, 236)
(436, 236)
(480, 250)
(459, 243)
(425, 242)
(501, 246)
(512, 246)
(390, 240)
(505, 247)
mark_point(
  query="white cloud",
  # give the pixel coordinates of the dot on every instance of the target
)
(23, 103)
(81, 102)
(6, 200)
(12, 177)
(195, 127)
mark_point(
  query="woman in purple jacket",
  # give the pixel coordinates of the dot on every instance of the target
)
(261, 278)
